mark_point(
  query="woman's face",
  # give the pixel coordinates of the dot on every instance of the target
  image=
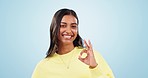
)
(68, 29)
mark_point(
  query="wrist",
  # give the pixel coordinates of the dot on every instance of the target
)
(91, 67)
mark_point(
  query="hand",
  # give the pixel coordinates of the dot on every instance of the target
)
(89, 59)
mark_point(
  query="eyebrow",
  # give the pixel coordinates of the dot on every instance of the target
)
(75, 23)
(71, 23)
(64, 22)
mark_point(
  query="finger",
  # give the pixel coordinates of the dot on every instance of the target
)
(83, 51)
(84, 55)
(87, 46)
(90, 45)
(81, 59)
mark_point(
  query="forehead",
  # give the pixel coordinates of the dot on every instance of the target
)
(69, 19)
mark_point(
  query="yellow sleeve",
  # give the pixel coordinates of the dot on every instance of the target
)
(36, 73)
(38, 70)
(102, 70)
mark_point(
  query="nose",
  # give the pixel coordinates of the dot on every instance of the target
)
(68, 29)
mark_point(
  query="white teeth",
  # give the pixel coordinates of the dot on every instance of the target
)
(67, 37)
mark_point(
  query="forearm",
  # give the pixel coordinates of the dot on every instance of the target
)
(98, 73)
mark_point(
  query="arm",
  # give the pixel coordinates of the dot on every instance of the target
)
(102, 70)
(97, 65)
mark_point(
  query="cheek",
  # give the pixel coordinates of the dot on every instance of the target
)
(61, 31)
(75, 31)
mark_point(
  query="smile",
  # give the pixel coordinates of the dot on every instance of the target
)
(67, 36)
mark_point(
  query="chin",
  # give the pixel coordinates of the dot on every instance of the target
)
(68, 42)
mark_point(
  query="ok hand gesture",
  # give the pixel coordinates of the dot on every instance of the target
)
(89, 59)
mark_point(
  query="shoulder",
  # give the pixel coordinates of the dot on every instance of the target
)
(98, 56)
(101, 60)
(97, 53)
(39, 66)
(79, 48)
(48, 61)
(41, 62)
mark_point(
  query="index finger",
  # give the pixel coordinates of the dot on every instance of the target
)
(90, 45)
(87, 46)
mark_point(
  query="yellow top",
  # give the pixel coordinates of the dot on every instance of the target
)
(69, 66)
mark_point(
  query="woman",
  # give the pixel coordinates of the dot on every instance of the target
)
(66, 57)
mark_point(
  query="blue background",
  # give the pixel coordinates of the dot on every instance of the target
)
(118, 29)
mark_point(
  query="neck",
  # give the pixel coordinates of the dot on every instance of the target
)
(63, 49)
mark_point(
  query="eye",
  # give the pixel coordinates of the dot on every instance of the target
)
(63, 26)
(74, 26)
